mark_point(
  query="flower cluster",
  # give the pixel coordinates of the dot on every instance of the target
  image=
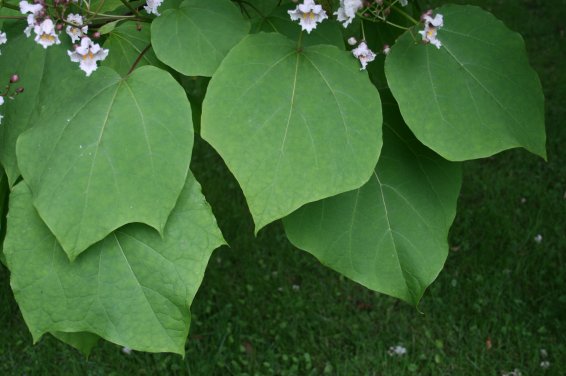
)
(309, 14)
(46, 32)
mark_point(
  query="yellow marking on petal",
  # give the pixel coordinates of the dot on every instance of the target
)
(47, 37)
(308, 15)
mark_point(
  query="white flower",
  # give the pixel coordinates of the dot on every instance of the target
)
(26, 7)
(397, 351)
(544, 364)
(386, 49)
(1, 100)
(363, 54)
(3, 40)
(77, 31)
(33, 11)
(45, 33)
(347, 11)
(403, 2)
(431, 27)
(152, 6)
(87, 54)
(309, 14)
(352, 41)
(538, 239)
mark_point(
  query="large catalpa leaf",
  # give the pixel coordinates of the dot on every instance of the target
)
(126, 44)
(133, 288)
(473, 97)
(109, 151)
(391, 234)
(37, 68)
(293, 125)
(194, 38)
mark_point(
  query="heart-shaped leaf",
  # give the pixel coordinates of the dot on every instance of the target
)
(474, 96)
(108, 151)
(293, 125)
(133, 288)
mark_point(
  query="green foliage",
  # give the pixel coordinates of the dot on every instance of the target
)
(473, 97)
(133, 288)
(292, 126)
(104, 159)
(117, 154)
(127, 42)
(194, 38)
(391, 234)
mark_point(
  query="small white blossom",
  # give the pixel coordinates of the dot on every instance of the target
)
(152, 6)
(33, 11)
(26, 7)
(347, 11)
(127, 350)
(352, 41)
(87, 54)
(309, 14)
(1, 100)
(397, 351)
(45, 33)
(404, 2)
(544, 364)
(386, 49)
(76, 31)
(3, 40)
(538, 239)
(431, 28)
(363, 54)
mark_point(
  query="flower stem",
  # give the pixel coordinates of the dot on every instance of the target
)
(138, 59)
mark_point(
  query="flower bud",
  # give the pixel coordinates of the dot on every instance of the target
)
(15, 78)
(20, 90)
(59, 26)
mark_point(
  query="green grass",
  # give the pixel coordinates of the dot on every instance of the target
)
(498, 283)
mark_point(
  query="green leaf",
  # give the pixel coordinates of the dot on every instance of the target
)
(37, 68)
(109, 151)
(473, 97)
(293, 126)
(4, 192)
(126, 43)
(391, 234)
(104, 6)
(194, 38)
(134, 288)
(82, 341)
(108, 28)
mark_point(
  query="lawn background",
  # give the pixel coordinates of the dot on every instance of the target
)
(266, 308)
